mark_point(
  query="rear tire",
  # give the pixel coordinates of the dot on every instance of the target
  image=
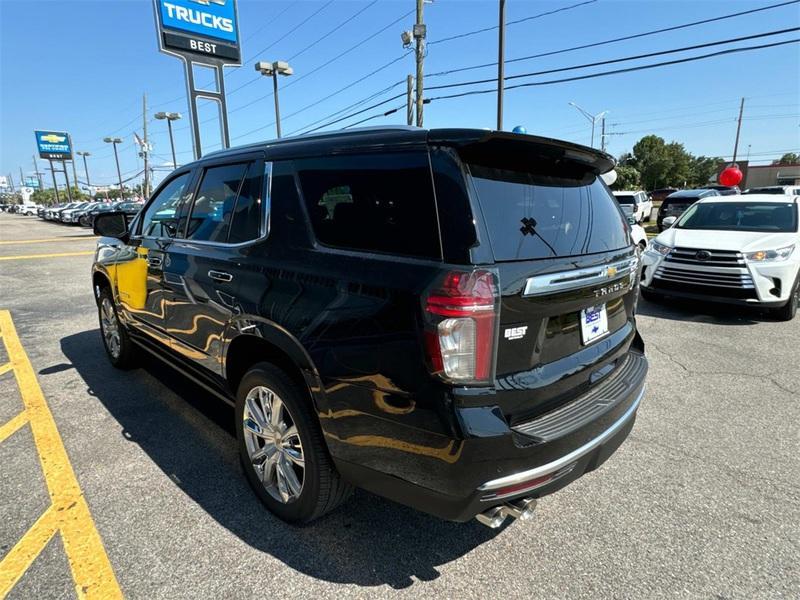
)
(119, 347)
(282, 449)
(648, 295)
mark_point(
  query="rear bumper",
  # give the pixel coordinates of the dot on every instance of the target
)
(475, 471)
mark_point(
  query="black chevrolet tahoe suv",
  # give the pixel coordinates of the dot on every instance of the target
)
(442, 317)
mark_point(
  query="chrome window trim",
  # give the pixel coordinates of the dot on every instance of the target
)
(264, 228)
(565, 460)
(562, 281)
(266, 217)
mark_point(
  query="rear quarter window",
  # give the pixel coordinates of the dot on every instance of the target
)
(372, 202)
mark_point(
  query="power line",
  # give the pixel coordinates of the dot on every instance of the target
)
(618, 71)
(334, 30)
(386, 114)
(271, 21)
(331, 95)
(524, 19)
(576, 78)
(617, 60)
(293, 29)
(619, 39)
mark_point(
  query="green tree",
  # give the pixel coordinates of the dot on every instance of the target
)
(628, 178)
(703, 169)
(790, 158)
(651, 160)
(678, 165)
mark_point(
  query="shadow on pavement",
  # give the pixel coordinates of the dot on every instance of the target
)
(676, 309)
(369, 541)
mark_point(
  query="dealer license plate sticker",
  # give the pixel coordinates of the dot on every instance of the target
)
(594, 323)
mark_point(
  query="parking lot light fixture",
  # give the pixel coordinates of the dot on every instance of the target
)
(593, 119)
(273, 69)
(170, 117)
(85, 168)
(114, 141)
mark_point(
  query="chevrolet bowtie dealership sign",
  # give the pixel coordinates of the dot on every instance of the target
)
(200, 28)
(54, 145)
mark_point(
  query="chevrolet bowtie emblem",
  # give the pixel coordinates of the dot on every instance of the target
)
(611, 271)
(208, 2)
(53, 138)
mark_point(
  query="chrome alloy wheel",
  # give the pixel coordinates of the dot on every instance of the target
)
(110, 327)
(273, 444)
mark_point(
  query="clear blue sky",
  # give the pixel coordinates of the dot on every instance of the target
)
(83, 66)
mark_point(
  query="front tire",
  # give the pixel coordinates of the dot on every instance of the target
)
(118, 345)
(788, 311)
(281, 447)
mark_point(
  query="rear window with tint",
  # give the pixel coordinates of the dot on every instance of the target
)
(378, 203)
(628, 199)
(532, 216)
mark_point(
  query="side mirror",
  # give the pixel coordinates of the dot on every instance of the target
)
(669, 221)
(111, 224)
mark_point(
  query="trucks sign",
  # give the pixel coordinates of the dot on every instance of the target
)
(199, 28)
(54, 145)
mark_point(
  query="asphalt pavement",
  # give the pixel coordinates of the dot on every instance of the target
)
(702, 501)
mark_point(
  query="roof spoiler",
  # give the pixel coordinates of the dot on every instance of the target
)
(466, 140)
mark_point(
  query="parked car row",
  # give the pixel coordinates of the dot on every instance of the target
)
(27, 208)
(84, 213)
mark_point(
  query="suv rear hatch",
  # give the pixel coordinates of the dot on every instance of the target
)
(566, 267)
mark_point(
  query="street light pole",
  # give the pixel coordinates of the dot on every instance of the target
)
(114, 142)
(591, 118)
(170, 117)
(273, 69)
(85, 168)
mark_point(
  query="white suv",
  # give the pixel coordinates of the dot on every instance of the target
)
(733, 249)
(635, 204)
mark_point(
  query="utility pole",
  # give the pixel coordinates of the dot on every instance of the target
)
(501, 45)
(410, 100)
(603, 134)
(419, 36)
(145, 149)
(21, 178)
(738, 129)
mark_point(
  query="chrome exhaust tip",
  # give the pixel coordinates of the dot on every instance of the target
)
(522, 509)
(492, 518)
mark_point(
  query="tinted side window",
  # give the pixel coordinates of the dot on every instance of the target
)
(159, 219)
(379, 203)
(214, 203)
(247, 215)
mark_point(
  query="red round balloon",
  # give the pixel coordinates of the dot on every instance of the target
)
(730, 176)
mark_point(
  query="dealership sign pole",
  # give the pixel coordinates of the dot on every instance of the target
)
(203, 33)
(55, 146)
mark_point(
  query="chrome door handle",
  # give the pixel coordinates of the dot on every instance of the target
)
(220, 276)
(154, 261)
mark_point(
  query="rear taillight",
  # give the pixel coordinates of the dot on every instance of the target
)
(461, 326)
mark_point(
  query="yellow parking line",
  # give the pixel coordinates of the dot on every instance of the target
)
(28, 256)
(25, 551)
(9, 428)
(91, 570)
(40, 241)
(5, 368)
